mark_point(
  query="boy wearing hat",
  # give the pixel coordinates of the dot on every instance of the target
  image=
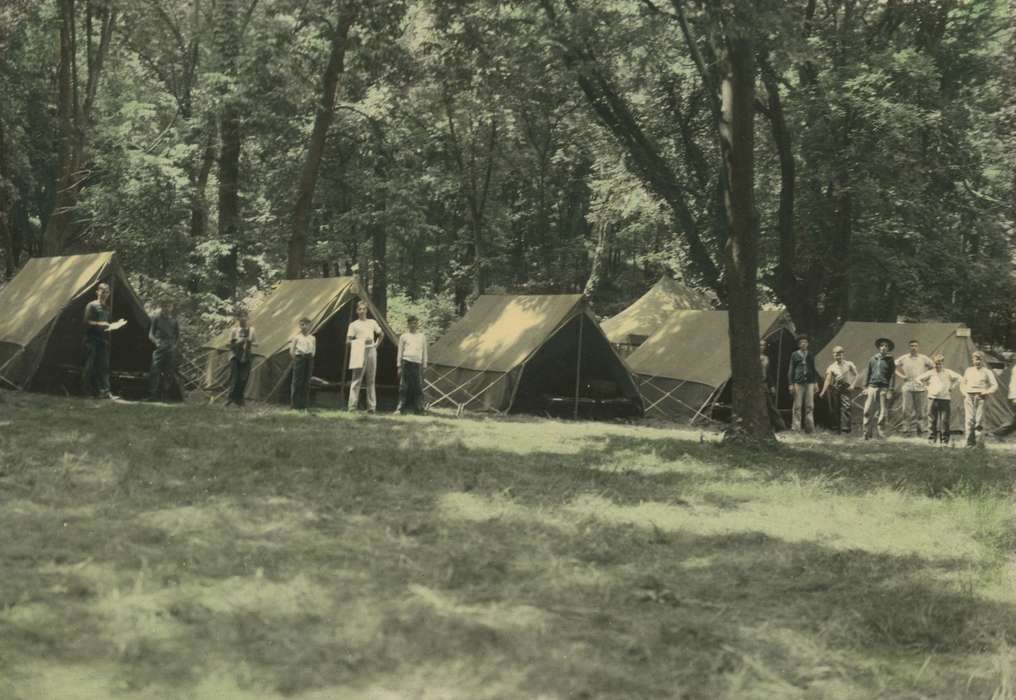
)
(839, 378)
(803, 378)
(879, 378)
(915, 404)
(411, 361)
(939, 383)
(978, 382)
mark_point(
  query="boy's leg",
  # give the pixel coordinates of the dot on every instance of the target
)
(104, 388)
(843, 398)
(369, 370)
(417, 387)
(969, 419)
(795, 424)
(354, 388)
(294, 384)
(241, 385)
(921, 405)
(809, 408)
(870, 401)
(945, 421)
(908, 411)
(88, 383)
(403, 386)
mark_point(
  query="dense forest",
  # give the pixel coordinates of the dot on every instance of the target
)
(441, 149)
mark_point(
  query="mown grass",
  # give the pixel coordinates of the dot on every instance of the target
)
(192, 552)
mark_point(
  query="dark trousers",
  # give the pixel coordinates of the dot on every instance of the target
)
(841, 404)
(411, 387)
(163, 365)
(303, 367)
(95, 373)
(238, 375)
(939, 419)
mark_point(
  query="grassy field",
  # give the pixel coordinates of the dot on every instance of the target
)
(193, 552)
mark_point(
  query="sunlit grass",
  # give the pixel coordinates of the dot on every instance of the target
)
(194, 552)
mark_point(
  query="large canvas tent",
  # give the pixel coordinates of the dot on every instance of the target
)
(330, 303)
(634, 325)
(683, 369)
(42, 325)
(531, 354)
(952, 340)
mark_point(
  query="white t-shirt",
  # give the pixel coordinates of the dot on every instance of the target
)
(412, 348)
(304, 344)
(364, 331)
(843, 372)
(940, 384)
(979, 381)
(913, 366)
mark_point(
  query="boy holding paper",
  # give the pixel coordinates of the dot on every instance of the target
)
(363, 337)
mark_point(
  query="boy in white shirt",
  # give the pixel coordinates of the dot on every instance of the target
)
(840, 377)
(978, 382)
(411, 361)
(366, 331)
(302, 348)
(939, 383)
(915, 402)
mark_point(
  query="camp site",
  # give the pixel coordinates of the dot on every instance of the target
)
(492, 350)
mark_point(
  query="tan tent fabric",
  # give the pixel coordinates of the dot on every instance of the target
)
(501, 331)
(328, 302)
(684, 366)
(650, 312)
(521, 353)
(858, 341)
(41, 328)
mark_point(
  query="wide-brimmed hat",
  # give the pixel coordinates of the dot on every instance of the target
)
(891, 344)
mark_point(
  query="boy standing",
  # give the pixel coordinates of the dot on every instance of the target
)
(411, 361)
(939, 383)
(95, 373)
(241, 340)
(978, 382)
(803, 378)
(302, 349)
(880, 375)
(366, 331)
(840, 377)
(164, 334)
(915, 402)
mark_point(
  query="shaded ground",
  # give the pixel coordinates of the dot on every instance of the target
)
(194, 552)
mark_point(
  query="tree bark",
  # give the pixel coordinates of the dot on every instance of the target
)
(230, 146)
(74, 116)
(750, 419)
(601, 254)
(297, 248)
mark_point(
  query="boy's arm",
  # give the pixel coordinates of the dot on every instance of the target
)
(992, 381)
(896, 371)
(398, 353)
(826, 382)
(424, 363)
(151, 331)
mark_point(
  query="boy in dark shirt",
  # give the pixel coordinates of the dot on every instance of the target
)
(880, 375)
(164, 333)
(95, 372)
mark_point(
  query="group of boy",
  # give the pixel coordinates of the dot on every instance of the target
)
(922, 379)
(363, 337)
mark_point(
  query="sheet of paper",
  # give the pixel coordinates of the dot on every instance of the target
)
(117, 325)
(356, 351)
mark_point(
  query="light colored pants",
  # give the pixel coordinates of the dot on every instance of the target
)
(874, 408)
(915, 411)
(364, 377)
(973, 407)
(804, 407)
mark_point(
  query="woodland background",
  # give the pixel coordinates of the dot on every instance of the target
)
(440, 149)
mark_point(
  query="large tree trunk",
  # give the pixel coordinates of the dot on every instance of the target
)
(315, 149)
(75, 116)
(598, 268)
(750, 419)
(230, 145)
(199, 185)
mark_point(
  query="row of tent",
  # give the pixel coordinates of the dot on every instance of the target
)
(543, 354)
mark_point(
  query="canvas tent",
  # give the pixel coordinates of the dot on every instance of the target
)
(42, 326)
(330, 303)
(683, 369)
(950, 339)
(634, 325)
(531, 354)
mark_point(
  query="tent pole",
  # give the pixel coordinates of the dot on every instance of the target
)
(578, 368)
(343, 399)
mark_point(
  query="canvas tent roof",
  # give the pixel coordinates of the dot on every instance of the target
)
(500, 331)
(275, 322)
(645, 316)
(858, 341)
(509, 352)
(694, 346)
(41, 326)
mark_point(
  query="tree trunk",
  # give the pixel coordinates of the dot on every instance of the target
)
(749, 419)
(199, 185)
(379, 263)
(598, 268)
(297, 249)
(230, 145)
